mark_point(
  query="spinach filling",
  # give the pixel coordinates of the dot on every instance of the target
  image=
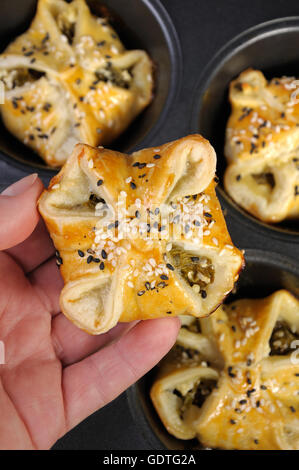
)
(281, 339)
(196, 270)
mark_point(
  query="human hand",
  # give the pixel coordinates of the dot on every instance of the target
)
(55, 375)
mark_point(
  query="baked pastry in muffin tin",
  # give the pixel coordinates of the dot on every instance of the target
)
(262, 141)
(69, 79)
(140, 236)
(232, 380)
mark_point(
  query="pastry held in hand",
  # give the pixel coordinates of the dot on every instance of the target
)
(140, 236)
(247, 398)
(69, 79)
(262, 140)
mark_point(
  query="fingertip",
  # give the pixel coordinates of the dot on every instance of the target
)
(18, 211)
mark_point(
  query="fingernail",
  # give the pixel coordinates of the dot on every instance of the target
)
(20, 186)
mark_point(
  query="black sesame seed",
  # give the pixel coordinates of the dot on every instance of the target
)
(243, 402)
(194, 259)
(164, 277)
(46, 38)
(81, 253)
(238, 177)
(169, 266)
(203, 294)
(100, 182)
(162, 284)
(147, 285)
(249, 392)
(104, 254)
(263, 387)
(140, 293)
(89, 259)
(234, 328)
(156, 157)
(133, 185)
(292, 409)
(207, 214)
(102, 265)
(256, 441)
(230, 372)
(252, 147)
(47, 107)
(169, 312)
(232, 421)
(137, 215)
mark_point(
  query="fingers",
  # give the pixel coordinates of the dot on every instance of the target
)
(18, 212)
(35, 250)
(47, 282)
(72, 344)
(98, 379)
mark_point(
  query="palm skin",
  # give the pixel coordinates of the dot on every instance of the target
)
(54, 374)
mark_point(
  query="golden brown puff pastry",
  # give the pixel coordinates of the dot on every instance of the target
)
(262, 146)
(139, 236)
(254, 402)
(69, 79)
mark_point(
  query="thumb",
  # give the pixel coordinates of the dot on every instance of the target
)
(18, 210)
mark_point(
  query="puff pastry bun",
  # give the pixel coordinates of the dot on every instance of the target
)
(70, 79)
(232, 380)
(139, 236)
(262, 141)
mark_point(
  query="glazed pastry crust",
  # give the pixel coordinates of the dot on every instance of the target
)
(262, 141)
(255, 404)
(139, 277)
(69, 79)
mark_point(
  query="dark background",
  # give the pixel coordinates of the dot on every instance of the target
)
(203, 27)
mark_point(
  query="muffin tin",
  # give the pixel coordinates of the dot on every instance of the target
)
(177, 111)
